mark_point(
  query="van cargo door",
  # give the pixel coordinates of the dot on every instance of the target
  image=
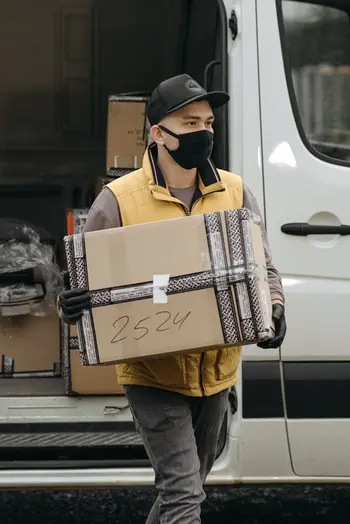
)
(305, 109)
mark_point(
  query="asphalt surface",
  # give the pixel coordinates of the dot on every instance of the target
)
(291, 505)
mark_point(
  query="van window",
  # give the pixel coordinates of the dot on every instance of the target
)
(316, 41)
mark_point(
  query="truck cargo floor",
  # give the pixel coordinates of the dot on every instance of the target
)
(31, 387)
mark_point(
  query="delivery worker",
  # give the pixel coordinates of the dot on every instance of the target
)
(179, 402)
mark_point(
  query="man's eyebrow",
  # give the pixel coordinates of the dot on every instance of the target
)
(195, 117)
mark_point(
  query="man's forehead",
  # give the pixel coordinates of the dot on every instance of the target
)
(200, 110)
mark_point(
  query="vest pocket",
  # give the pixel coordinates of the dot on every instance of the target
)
(227, 362)
(168, 371)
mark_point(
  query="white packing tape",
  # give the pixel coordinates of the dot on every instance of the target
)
(160, 288)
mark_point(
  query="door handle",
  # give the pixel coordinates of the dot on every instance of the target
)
(303, 229)
(207, 71)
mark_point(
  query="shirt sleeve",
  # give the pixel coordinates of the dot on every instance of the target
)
(275, 281)
(104, 213)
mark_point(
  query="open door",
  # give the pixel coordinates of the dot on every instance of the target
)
(53, 113)
(305, 106)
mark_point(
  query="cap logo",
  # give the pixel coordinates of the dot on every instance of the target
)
(193, 86)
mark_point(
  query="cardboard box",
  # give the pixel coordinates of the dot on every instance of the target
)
(126, 134)
(85, 380)
(166, 287)
(30, 346)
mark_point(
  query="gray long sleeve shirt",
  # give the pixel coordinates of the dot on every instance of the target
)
(104, 214)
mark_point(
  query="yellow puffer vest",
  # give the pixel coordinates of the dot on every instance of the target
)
(143, 197)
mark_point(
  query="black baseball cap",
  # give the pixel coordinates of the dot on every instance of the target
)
(177, 92)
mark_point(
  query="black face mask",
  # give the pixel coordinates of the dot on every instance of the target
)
(194, 148)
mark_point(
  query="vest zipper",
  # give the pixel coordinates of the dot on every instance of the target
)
(188, 211)
(201, 374)
(202, 196)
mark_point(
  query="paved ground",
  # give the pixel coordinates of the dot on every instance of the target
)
(291, 505)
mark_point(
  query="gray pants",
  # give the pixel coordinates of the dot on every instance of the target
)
(180, 435)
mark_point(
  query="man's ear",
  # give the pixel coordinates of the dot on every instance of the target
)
(157, 135)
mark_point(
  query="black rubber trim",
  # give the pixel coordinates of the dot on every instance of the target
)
(223, 155)
(74, 457)
(262, 389)
(313, 390)
(66, 427)
(342, 5)
(317, 389)
(339, 4)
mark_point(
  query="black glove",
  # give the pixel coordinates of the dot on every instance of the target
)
(279, 319)
(73, 302)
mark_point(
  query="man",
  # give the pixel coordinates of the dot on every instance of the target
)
(178, 403)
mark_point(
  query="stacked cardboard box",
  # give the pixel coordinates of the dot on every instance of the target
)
(127, 134)
(85, 380)
(30, 346)
(79, 379)
(202, 284)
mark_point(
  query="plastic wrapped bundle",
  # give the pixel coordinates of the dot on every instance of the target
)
(30, 279)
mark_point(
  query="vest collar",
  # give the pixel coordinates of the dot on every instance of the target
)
(209, 179)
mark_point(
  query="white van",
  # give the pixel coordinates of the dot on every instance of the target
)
(286, 65)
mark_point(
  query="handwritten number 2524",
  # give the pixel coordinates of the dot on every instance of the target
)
(167, 321)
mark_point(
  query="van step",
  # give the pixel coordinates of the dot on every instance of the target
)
(62, 445)
(76, 439)
(32, 387)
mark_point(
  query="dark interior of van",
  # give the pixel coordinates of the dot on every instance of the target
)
(60, 61)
